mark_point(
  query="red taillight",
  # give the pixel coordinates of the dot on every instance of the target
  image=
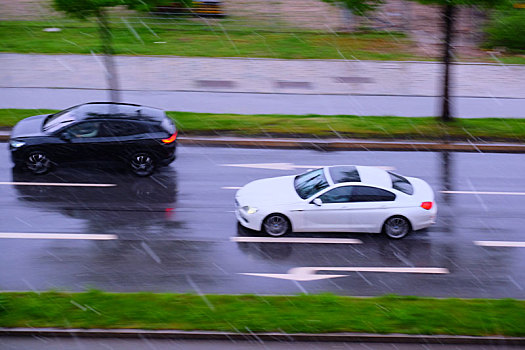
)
(426, 205)
(171, 138)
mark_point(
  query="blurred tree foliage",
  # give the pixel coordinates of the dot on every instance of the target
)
(507, 29)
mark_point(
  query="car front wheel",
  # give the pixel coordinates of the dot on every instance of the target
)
(142, 164)
(276, 225)
(396, 227)
(38, 162)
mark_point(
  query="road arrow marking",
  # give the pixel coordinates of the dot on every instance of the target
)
(287, 166)
(500, 244)
(296, 240)
(304, 274)
(274, 166)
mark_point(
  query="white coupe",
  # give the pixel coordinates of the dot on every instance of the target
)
(342, 198)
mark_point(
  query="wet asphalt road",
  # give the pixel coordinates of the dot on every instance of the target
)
(173, 231)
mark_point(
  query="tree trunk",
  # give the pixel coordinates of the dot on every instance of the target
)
(448, 14)
(107, 51)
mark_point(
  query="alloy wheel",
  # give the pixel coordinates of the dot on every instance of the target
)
(276, 225)
(142, 164)
(38, 162)
(397, 227)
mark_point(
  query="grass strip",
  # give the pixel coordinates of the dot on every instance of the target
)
(187, 37)
(348, 126)
(320, 313)
(200, 41)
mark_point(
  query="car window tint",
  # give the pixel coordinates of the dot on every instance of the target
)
(122, 128)
(337, 195)
(85, 130)
(401, 184)
(344, 174)
(371, 194)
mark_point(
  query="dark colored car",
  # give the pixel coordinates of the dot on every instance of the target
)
(142, 138)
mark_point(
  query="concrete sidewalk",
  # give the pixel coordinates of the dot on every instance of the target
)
(257, 75)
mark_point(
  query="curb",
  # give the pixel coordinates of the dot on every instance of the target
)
(350, 145)
(341, 144)
(281, 337)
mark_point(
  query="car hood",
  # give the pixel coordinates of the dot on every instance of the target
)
(28, 127)
(274, 191)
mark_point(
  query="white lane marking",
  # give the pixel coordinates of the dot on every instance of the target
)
(500, 244)
(287, 166)
(26, 235)
(486, 192)
(309, 273)
(231, 188)
(64, 184)
(295, 240)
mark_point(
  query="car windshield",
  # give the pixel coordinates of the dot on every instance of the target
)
(308, 184)
(58, 120)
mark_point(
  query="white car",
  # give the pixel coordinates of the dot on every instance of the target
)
(343, 198)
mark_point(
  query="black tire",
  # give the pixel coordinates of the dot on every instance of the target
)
(276, 225)
(142, 164)
(38, 162)
(396, 227)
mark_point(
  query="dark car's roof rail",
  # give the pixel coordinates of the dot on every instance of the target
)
(95, 110)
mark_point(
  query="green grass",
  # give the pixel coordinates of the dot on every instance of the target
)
(424, 128)
(291, 314)
(186, 37)
(82, 38)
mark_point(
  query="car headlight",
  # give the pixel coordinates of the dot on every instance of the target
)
(249, 210)
(16, 143)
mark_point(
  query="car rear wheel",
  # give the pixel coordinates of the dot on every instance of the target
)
(38, 162)
(396, 227)
(276, 225)
(142, 164)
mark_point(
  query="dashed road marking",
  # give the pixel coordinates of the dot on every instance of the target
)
(26, 235)
(231, 188)
(486, 192)
(58, 184)
(510, 244)
(296, 240)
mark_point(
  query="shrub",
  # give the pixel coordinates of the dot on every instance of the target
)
(507, 29)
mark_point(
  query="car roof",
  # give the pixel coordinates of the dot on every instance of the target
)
(110, 110)
(368, 175)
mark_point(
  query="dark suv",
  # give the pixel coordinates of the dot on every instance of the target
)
(142, 138)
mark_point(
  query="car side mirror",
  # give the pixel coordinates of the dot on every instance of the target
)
(65, 136)
(317, 201)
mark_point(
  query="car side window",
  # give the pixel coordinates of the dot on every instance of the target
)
(337, 195)
(84, 130)
(122, 128)
(371, 194)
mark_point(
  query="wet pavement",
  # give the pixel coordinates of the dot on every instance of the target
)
(176, 231)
